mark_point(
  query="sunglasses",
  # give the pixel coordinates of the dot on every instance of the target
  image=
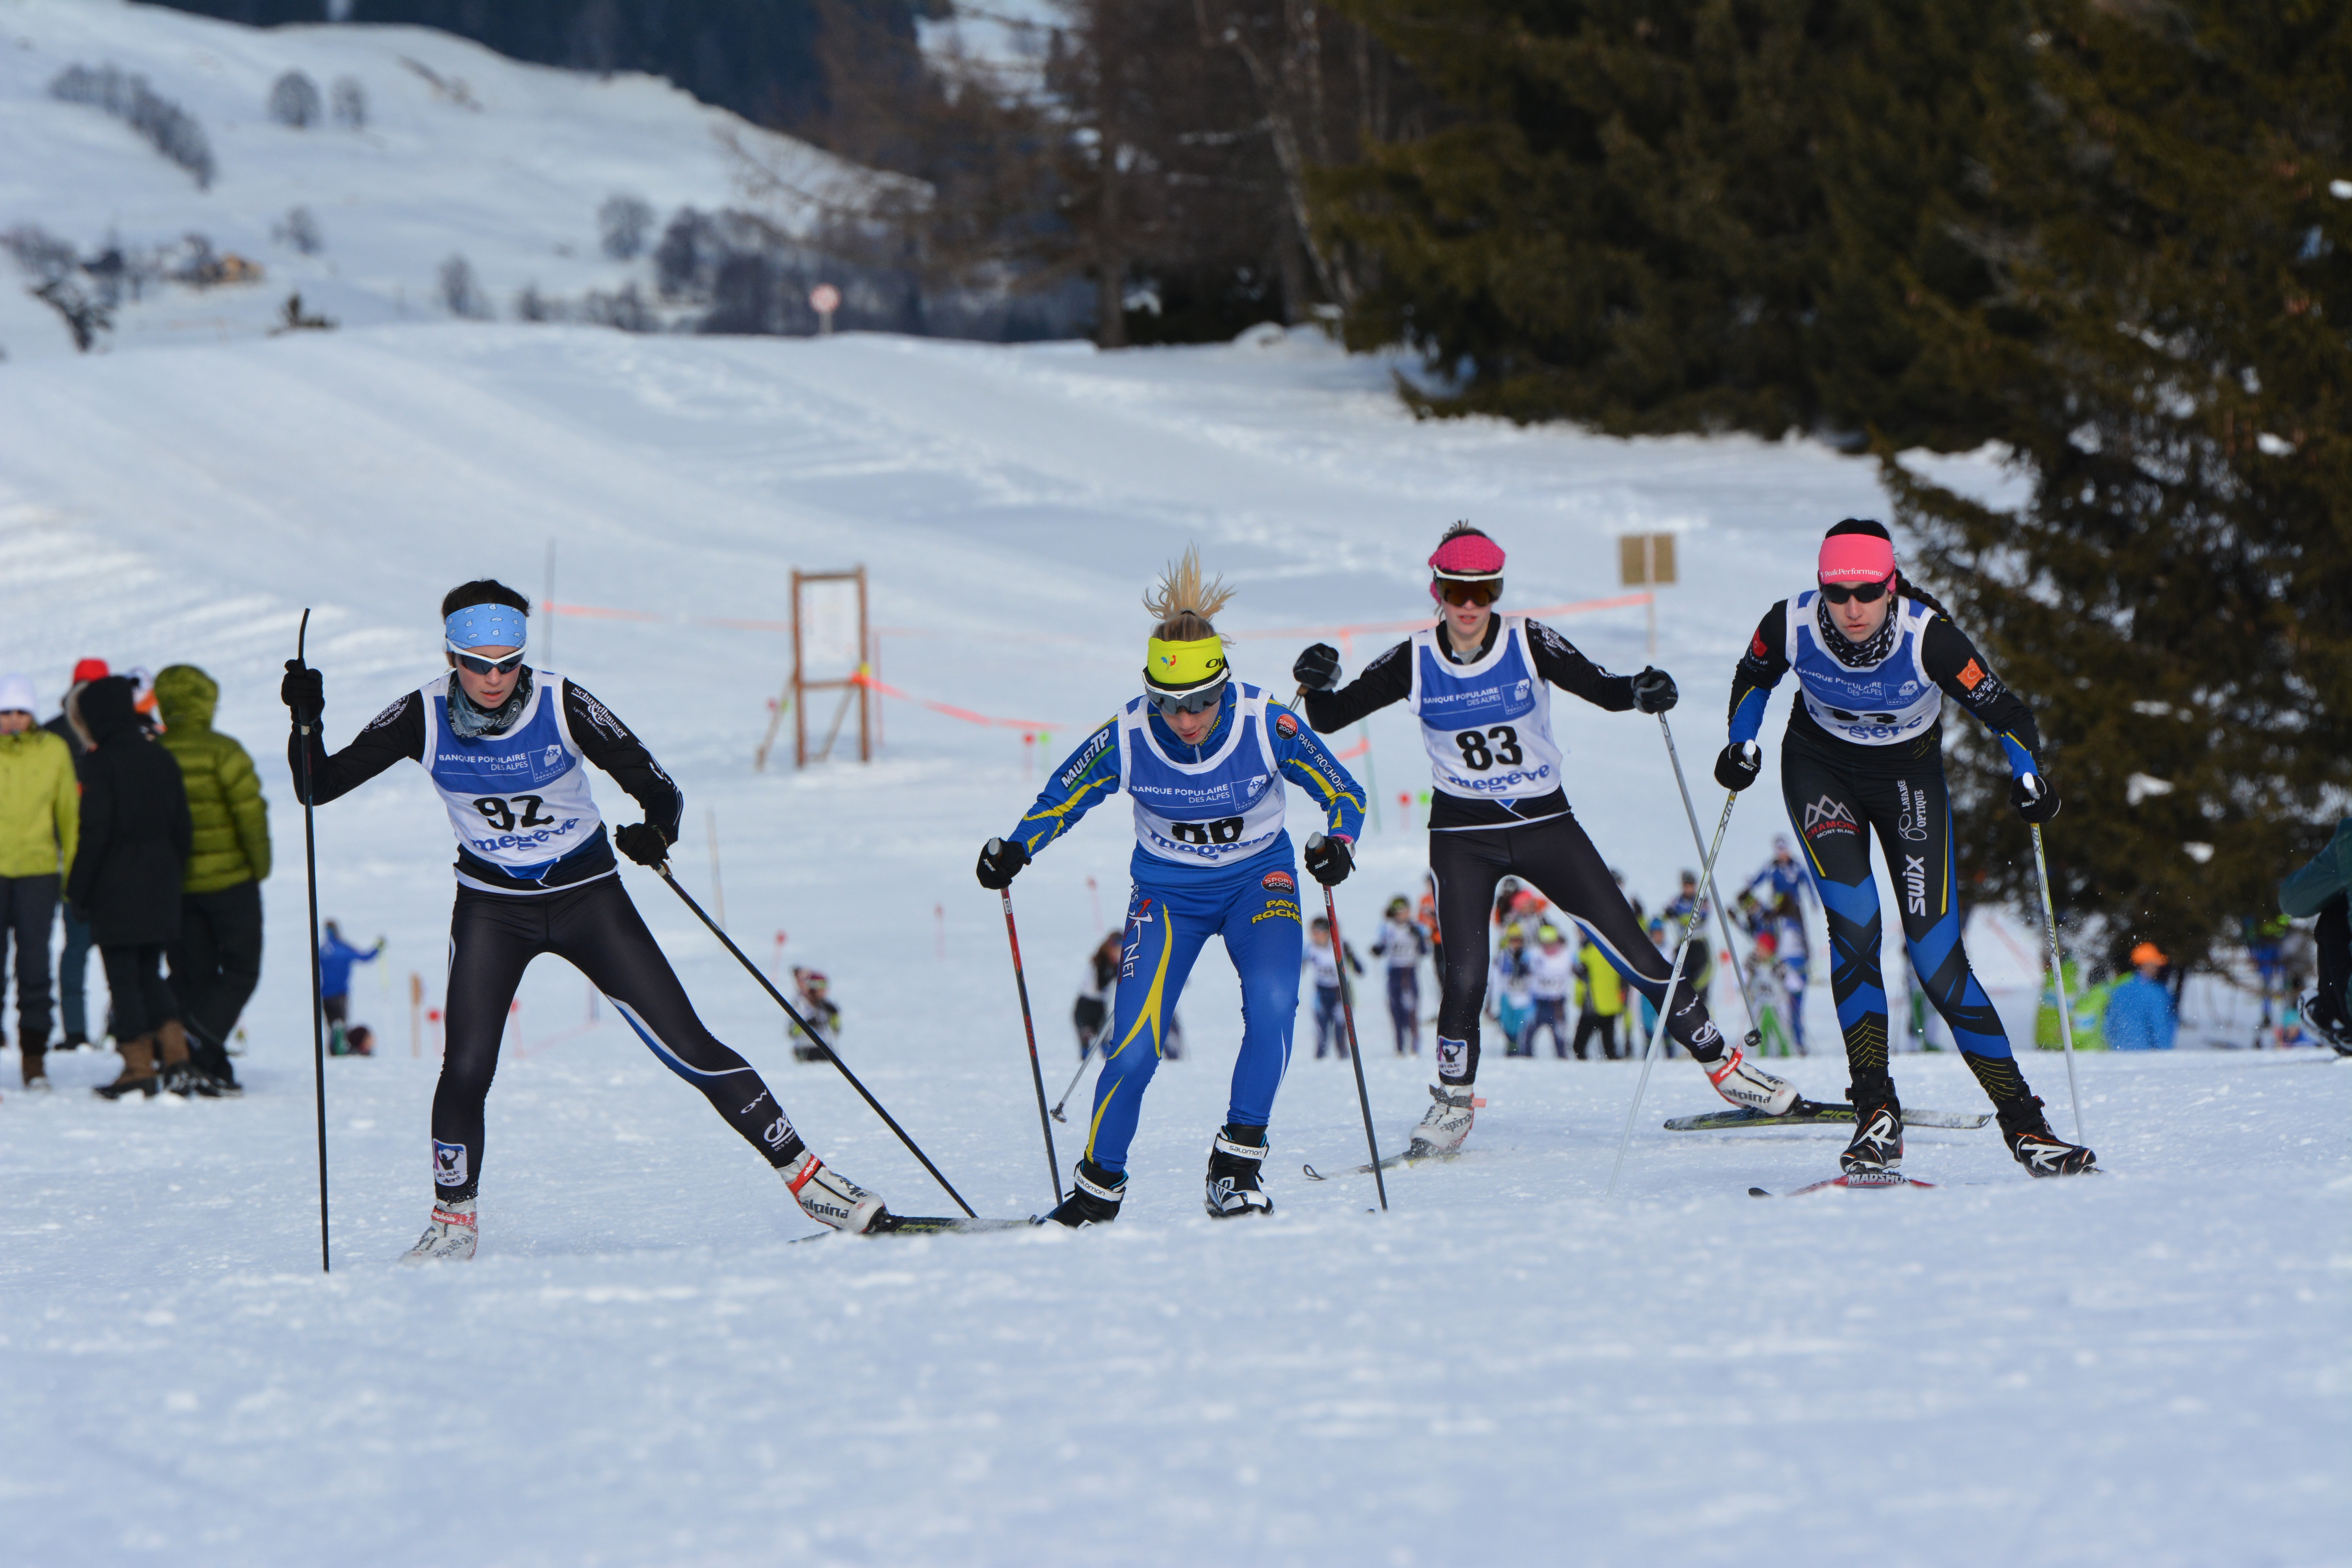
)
(1171, 703)
(475, 664)
(1861, 594)
(1454, 592)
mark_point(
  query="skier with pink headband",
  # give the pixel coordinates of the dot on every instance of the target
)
(1480, 685)
(1874, 659)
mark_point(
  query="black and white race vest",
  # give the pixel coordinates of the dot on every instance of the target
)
(1487, 726)
(518, 800)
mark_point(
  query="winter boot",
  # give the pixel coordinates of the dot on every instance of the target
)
(178, 1074)
(1444, 1125)
(211, 1061)
(2042, 1153)
(1234, 1160)
(138, 1076)
(449, 1234)
(37, 1077)
(830, 1198)
(1876, 1151)
(2320, 1017)
(1742, 1082)
(1095, 1197)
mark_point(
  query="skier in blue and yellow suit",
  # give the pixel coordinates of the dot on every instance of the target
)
(1204, 757)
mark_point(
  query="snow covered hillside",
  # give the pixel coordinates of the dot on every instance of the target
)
(462, 153)
(1508, 1368)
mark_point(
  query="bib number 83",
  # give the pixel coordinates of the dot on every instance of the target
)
(499, 812)
(1224, 830)
(1477, 757)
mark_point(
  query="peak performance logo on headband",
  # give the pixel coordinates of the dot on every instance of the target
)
(487, 626)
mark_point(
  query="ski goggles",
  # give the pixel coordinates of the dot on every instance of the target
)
(1860, 593)
(1171, 703)
(474, 663)
(1456, 592)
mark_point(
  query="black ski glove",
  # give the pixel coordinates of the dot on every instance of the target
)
(1654, 691)
(1317, 668)
(1736, 768)
(1329, 860)
(1000, 861)
(2034, 799)
(644, 843)
(304, 692)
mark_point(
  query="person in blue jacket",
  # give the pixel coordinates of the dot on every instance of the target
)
(1204, 757)
(2138, 1016)
(336, 957)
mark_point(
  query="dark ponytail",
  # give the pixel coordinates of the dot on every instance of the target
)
(1918, 596)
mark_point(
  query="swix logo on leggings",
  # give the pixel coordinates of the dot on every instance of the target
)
(1915, 883)
(519, 800)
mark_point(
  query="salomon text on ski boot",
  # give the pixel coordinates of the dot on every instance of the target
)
(828, 1198)
(1094, 1195)
(449, 1234)
(1234, 1160)
(1876, 1151)
(1742, 1082)
(1444, 1125)
(2040, 1151)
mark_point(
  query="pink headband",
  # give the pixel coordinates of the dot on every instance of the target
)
(1466, 557)
(1856, 558)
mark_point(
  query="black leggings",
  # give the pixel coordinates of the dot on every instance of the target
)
(1839, 796)
(2332, 939)
(493, 937)
(142, 1003)
(1561, 862)
(1588, 1024)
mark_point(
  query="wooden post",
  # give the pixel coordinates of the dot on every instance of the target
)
(415, 1014)
(857, 685)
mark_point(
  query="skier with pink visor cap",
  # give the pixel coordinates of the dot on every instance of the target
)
(1874, 659)
(1480, 685)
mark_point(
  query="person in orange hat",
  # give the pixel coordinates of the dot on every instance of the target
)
(2139, 1015)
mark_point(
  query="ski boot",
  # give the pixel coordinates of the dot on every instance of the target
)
(830, 1198)
(1234, 1160)
(2317, 1016)
(138, 1075)
(1444, 1125)
(449, 1234)
(1095, 1197)
(2041, 1151)
(1744, 1083)
(1876, 1151)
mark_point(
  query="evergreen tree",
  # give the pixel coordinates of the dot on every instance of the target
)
(2170, 231)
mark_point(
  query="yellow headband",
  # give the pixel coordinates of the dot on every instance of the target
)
(1183, 666)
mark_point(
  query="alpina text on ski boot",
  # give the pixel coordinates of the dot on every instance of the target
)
(1444, 1125)
(1742, 1082)
(828, 1198)
(449, 1234)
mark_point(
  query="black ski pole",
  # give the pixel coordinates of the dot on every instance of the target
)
(1036, 1073)
(1085, 1055)
(1355, 1055)
(810, 1030)
(318, 1006)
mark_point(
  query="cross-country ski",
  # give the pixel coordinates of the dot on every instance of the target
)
(1807, 1113)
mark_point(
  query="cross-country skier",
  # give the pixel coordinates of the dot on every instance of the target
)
(1329, 1000)
(504, 743)
(1480, 684)
(1865, 753)
(1204, 757)
(1401, 943)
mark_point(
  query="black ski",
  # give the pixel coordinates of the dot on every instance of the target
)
(1393, 1162)
(1864, 1183)
(1806, 1112)
(926, 1224)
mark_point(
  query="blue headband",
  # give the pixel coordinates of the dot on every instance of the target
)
(487, 626)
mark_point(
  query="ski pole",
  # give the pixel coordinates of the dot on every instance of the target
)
(810, 1030)
(1665, 1004)
(318, 1006)
(1707, 888)
(1085, 1055)
(2058, 983)
(1355, 1054)
(1029, 1027)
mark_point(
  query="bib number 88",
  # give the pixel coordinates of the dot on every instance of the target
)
(1224, 830)
(1477, 757)
(499, 812)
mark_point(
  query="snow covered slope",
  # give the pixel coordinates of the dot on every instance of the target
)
(2146, 1368)
(464, 152)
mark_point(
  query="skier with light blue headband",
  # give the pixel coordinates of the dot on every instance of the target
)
(503, 744)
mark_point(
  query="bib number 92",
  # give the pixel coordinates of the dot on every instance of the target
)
(1224, 830)
(499, 811)
(1479, 756)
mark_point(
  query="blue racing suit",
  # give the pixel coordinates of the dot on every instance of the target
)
(1211, 858)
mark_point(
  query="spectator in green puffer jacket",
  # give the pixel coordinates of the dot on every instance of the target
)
(216, 962)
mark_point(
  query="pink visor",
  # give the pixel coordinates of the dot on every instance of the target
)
(1856, 558)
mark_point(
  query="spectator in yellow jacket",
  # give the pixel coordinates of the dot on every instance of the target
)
(40, 822)
(216, 962)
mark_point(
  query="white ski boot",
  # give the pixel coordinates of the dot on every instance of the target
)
(1742, 1082)
(830, 1198)
(1444, 1125)
(449, 1236)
